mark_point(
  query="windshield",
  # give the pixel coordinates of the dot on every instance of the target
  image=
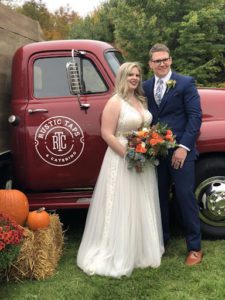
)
(114, 59)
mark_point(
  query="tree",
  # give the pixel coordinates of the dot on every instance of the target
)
(193, 30)
(38, 11)
(201, 51)
(55, 25)
(63, 19)
(99, 25)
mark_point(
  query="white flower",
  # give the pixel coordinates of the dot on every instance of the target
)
(170, 84)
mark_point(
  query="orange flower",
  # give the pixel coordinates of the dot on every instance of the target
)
(155, 141)
(169, 132)
(142, 133)
(160, 139)
(140, 148)
(169, 138)
(155, 135)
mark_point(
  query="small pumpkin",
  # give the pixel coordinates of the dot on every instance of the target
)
(38, 219)
(15, 204)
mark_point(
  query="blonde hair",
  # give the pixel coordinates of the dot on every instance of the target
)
(121, 86)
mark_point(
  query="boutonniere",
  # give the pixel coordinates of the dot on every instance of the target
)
(170, 84)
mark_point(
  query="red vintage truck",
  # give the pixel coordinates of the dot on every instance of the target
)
(56, 145)
(58, 91)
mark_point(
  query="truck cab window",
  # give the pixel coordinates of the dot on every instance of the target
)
(50, 77)
(114, 59)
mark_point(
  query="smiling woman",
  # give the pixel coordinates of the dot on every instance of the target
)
(123, 228)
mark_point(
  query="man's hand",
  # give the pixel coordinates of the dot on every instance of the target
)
(178, 158)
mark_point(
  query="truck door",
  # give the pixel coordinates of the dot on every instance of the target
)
(63, 147)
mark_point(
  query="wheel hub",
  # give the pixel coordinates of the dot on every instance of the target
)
(210, 195)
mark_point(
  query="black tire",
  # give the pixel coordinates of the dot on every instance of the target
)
(210, 195)
(5, 171)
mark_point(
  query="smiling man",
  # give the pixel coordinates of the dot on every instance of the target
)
(173, 99)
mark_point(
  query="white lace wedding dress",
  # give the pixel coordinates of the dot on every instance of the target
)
(123, 227)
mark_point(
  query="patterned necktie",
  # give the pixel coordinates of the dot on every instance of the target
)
(158, 92)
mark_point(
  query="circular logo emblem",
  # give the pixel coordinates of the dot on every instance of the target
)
(59, 141)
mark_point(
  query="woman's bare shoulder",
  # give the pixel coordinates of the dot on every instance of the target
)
(114, 102)
(115, 99)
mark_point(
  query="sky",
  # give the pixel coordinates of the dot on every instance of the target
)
(82, 7)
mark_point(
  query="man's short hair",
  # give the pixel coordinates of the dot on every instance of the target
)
(157, 48)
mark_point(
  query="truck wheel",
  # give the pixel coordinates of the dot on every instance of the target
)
(5, 171)
(210, 195)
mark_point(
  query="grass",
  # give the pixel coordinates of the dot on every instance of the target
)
(172, 280)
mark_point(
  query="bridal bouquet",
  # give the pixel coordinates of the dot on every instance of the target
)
(148, 144)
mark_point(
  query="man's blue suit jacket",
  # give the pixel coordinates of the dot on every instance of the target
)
(180, 109)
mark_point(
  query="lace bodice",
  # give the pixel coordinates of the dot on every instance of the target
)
(131, 119)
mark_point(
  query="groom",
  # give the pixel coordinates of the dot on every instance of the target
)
(173, 99)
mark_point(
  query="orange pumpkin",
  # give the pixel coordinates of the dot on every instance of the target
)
(15, 204)
(38, 219)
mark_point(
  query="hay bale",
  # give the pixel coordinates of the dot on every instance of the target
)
(40, 252)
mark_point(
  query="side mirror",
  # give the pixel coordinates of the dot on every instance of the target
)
(73, 78)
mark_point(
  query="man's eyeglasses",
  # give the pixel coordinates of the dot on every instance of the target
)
(159, 61)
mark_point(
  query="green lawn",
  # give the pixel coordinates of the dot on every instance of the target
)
(172, 280)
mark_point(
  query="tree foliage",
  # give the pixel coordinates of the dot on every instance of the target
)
(99, 25)
(202, 44)
(193, 30)
(63, 19)
(55, 25)
(37, 11)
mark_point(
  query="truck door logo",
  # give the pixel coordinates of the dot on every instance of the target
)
(59, 141)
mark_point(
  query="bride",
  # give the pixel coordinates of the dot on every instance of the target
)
(123, 228)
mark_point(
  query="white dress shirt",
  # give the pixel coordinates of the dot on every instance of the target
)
(164, 79)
